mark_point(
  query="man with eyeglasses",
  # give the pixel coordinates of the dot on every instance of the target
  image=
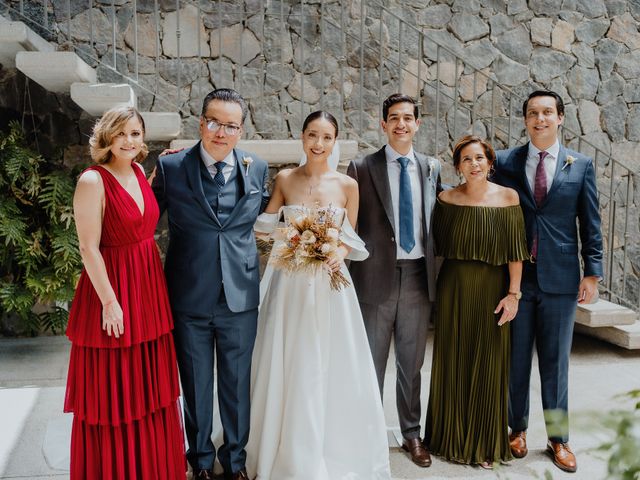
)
(213, 193)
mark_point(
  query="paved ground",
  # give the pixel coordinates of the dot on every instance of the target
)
(33, 372)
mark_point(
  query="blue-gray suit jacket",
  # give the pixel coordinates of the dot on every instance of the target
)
(205, 255)
(573, 195)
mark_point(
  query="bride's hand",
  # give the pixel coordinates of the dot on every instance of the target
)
(334, 262)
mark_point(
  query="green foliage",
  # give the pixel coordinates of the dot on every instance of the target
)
(39, 256)
(623, 449)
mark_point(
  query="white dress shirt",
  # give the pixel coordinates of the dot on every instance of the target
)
(550, 162)
(209, 162)
(393, 171)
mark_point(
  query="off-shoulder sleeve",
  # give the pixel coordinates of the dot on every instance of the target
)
(266, 222)
(516, 238)
(493, 235)
(349, 237)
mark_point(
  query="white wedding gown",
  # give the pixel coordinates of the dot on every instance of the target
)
(316, 412)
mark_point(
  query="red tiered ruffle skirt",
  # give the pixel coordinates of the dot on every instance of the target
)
(127, 422)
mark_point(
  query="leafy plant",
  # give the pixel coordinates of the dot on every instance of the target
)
(39, 257)
(623, 450)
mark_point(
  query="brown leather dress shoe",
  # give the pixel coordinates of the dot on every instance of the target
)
(563, 457)
(518, 444)
(419, 453)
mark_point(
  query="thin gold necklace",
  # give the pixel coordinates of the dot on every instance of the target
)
(311, 185)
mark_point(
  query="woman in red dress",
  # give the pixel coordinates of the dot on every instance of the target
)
(122, 384)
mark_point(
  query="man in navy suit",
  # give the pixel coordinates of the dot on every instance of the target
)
(557, 186)
(213, 194)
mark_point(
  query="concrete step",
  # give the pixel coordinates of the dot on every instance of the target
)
(625, 336)
(279, 152)
(97, 98)
(17, 37)
(161, 126)
(605, 314)
(55, 71)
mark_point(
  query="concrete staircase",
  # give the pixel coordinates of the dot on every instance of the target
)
(16, 37)
(96, 98)
(609, 322)
(66, 72)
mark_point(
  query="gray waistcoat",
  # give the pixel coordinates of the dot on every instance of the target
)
(222, 200)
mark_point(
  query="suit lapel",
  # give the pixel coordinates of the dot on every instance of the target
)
(243, 184)
(425, 174)
(192, 164)
(242, 171)
(520, 166)
(380, 180)
(558, 177)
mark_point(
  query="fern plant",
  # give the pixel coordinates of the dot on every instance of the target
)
(39, 257)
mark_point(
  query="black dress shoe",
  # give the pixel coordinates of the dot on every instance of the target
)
(199, 474)
(239, 475)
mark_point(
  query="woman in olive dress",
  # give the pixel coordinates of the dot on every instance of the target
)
(479, 230)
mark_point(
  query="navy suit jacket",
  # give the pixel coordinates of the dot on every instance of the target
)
(205, 255)
(573, 196)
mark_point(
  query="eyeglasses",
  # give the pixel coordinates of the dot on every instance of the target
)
(214, 126)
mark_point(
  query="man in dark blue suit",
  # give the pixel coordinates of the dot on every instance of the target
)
(557, 186)
(213, 194)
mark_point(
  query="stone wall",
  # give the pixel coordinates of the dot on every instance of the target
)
(586, 50)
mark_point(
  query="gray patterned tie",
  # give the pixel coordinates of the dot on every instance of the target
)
(219, 176)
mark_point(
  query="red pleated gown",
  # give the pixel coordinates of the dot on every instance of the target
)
(123, 391)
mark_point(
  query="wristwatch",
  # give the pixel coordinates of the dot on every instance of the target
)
(518, 295)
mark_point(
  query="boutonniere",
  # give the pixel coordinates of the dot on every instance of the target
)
(568, 161)
(247, 161)
(430, 167)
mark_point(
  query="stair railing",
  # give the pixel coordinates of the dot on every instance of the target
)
(456, 96)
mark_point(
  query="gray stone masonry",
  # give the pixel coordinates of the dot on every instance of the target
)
(586, 50)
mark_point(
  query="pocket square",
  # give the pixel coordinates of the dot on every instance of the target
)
(253, 192)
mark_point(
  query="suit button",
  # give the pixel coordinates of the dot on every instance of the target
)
(393, 239)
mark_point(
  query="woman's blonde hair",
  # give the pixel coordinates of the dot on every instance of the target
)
(105, 130)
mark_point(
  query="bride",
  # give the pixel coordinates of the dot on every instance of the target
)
(315, 407)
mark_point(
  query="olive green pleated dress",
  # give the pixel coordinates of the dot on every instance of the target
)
(467, 413)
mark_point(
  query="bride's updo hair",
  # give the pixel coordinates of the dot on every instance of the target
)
(320, 114)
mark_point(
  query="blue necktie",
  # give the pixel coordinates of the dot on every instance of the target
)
(219, 176)
(407, 239)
